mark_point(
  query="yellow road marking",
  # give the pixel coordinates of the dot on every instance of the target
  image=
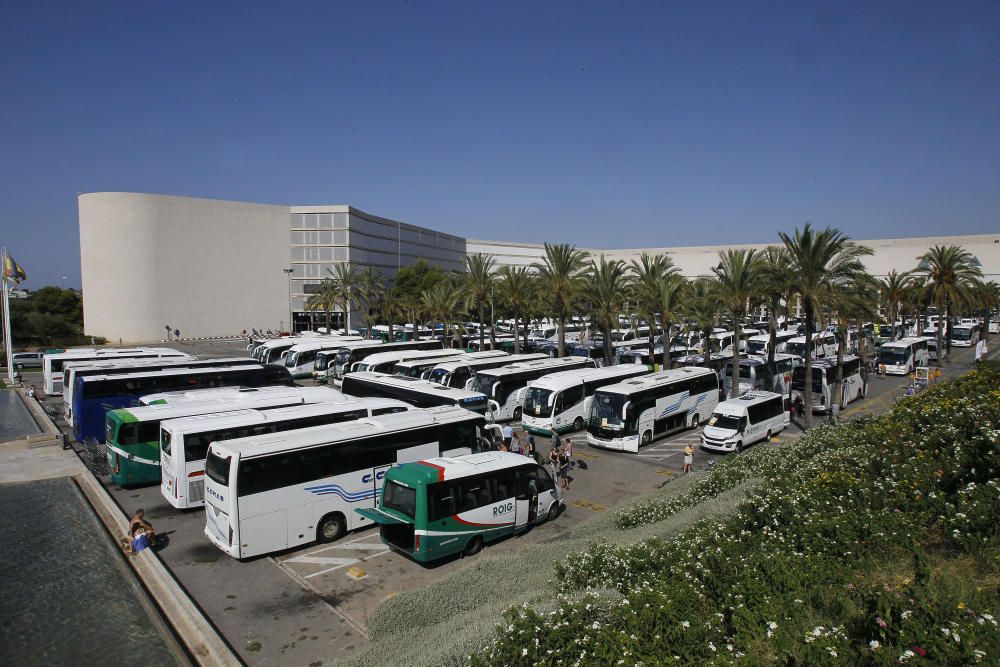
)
(586, 455)
(588, 505)
(666, 473)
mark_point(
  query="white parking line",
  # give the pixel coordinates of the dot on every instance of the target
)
(350, 562)
(317, 560)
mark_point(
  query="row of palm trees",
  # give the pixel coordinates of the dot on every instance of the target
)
(820, 272)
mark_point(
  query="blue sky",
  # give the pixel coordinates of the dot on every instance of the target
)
(602, 124)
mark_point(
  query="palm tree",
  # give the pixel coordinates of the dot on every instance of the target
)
(704, 306)
(987, 298)
(894, 291)
(647, 276)
(821, 262)
(371, 289)
(670, 298)
(775, 285)
(853, 302)
(442, 303)
(479, 282)
(324, 299)
(345, 281)
(738, 273)
(606, 288)
(559, 280)
(949, 273)
(390, 307)
(515, 287)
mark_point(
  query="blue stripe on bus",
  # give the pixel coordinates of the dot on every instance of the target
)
(671, 408)
(336, 489)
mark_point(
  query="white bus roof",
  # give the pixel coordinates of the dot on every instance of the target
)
(326, 342)
(538, 364)
(656, 379)
(261, 445)
(830, 362)
(455, 467)
(564, 379)
(111, 352)
(171, 371)
(216, 420)
(780, 334)
(473, 363)
(309, 394)
(414, 384)
(749, 399)
(816, 336)
(905, 342)
(405, 355)
(757, 360)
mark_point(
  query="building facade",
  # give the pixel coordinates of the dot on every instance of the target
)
(206, 267)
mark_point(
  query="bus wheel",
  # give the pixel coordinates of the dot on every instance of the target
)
(695, 420)
(331, 527)
(646, 437)
(767, 438)
(474, 546)
(554, 512)
(578, 424)
(739, 445)
(517, 414)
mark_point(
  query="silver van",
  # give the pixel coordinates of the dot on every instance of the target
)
(27, 359)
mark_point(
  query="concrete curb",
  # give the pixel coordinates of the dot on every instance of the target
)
(192, 628)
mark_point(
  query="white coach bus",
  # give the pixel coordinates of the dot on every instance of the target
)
(421, 368)
(966, 335)
(299, 358)
(459, 373)
(385, 362)
(271, 492)
(758, 344)
(561, 401)
(740, 422)
(506, 386)
(824, 381)
(901, 357)
(52, 364)
(184, 442)
(631, 414)
(822, 344)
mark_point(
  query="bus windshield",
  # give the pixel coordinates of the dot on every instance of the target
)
(744, 371)
(757, 347)
(438, 375)
(798, 349)
(728, 422)
(799, 375)
(343, 356)
(607, 411)
(893, 355)
(961, 334)
(537, 401)
(483, 384)
(291, 359)
(322, 361)
(217, 468)
(400, 498)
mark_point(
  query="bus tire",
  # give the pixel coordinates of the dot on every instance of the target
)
(739, 445)
(331, 527)
(473, 546)
(767, 438)
(695, 420)
(578, 424)
(646, 438)
(517, 414)
(554, 511)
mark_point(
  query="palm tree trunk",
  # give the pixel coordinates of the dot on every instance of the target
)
(329, 321)
(947, 320)
(525, 334)
(862, 351)
(734, 390)
(482, 306)
(606, 328)
(807, 387)
(561, 334)
(942, 354)
(707, 333)
(517, 339)
(772, 326)
(666, 345)
(838, 389)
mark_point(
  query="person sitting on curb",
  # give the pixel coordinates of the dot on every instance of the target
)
(140, 532)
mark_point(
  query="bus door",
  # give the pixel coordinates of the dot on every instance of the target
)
(526, 500)
(378, 478)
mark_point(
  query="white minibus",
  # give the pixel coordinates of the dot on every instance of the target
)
(824, 372)
(506, 386)
(740, 422)
(561, 401)
(184, 441)
(901, 357)
(822, 345)
(631, 414)
(271, 492)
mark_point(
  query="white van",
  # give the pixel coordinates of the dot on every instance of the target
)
(740, 422)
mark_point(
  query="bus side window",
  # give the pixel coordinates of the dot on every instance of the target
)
(545, 482)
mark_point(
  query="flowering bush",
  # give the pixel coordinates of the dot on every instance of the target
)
(875, 542)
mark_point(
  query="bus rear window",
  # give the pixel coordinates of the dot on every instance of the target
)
(217, 468)
(400, 498)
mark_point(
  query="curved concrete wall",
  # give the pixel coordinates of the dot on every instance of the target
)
(203, 266)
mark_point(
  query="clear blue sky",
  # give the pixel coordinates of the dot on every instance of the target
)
(604, 124)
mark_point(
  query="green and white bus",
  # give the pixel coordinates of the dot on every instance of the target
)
(438, 507)
(132, 435)
(272, 492)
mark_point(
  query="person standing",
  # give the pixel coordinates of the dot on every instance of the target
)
(688, 458)
(529, 448)
(515, 442)
(564, 468)
(508, 433)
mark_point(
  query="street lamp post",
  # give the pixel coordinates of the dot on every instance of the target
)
(291, 325)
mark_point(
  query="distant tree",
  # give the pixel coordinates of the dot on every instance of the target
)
(480, 281)
(371, 289)
(346, 280)
(738, 273)
(704, 306)
(606, 291)
(950, 274)
(515, 287)
(647, 276)
(560, 277)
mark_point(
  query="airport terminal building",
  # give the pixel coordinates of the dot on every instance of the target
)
(208, 267)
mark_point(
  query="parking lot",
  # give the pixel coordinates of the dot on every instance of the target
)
(311, 604)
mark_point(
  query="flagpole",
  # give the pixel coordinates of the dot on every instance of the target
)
(6, 323)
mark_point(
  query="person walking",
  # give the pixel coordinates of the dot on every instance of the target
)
(554, 455)
(515, 443)
(529, 448)
(688, 458)
(508, 433)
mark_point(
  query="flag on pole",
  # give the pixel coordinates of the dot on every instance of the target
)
(13, 271)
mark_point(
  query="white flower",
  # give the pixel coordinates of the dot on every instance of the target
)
(524, 652)
(685, 624)
(873, 645)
